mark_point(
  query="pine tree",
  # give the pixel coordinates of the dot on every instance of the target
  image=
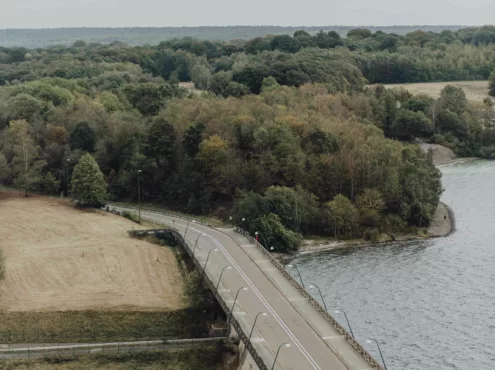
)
(88, 183)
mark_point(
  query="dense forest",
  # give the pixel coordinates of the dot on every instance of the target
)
(38, 38)
(280, 131)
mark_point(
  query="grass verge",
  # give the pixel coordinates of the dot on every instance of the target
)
(215, 357)
(100, 326)
(208, 220)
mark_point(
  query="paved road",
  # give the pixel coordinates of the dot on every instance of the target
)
(314, 342)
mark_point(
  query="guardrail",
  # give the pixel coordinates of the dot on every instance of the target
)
(167, 213)
(259, 361)
(355, 344)
(68, 350)
(233, 321)
(149, 232)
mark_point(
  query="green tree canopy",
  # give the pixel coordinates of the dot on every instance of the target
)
(89, 187)
(83, 137)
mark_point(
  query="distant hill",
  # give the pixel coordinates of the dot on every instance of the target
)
(35, 38)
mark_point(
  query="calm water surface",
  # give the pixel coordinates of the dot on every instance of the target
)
(431, 304)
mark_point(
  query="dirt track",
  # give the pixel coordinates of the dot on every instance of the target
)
(60, 258)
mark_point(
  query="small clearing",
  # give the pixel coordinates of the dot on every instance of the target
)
(59, 258)
(475, 91)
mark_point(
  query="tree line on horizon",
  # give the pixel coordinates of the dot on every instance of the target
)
(135, 36)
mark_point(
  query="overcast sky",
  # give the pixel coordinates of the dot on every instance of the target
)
(162, 13)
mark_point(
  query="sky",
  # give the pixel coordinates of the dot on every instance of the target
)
(167, 13)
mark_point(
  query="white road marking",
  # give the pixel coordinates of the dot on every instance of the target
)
(258, 294)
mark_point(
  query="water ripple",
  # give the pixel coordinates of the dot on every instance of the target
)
(430, 303)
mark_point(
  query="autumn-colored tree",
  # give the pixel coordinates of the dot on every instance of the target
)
(26, 164)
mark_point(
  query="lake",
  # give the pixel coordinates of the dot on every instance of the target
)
(431, 303)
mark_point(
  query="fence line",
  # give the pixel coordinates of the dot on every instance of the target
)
(355, 344)
(88, 336)
(72, 350)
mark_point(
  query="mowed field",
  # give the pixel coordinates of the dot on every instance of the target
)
(59, 258)
(475, 91)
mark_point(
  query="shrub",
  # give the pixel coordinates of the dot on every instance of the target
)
(369, 217)
(394, 222)
(133, 216)
(372, 235)
(274, 234)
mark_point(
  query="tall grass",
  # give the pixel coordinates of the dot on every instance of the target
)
(100, 326)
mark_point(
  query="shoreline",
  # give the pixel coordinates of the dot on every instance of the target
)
(443, 224)
(457, 161)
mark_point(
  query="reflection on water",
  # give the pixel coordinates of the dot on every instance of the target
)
(430, 303)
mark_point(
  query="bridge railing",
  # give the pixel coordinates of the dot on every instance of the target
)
(233, 321)
(259, 361)
(353, 342)
(136, 233)
(161, 212)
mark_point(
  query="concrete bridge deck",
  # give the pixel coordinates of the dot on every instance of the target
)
(315, 343)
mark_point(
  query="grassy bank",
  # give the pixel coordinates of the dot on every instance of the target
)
(96, 326)
(216, 357)
(154, 207)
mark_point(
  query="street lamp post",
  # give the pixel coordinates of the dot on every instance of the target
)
(321, 295)
(139, 193)
(195, 245)
(257, 233)
(346, 319)
(187, 227)
(233, 305)
(379, 350)
(207, 258)
(67, 178)
(252, 330)
(221, 274)
(286, 345)
(298, 273)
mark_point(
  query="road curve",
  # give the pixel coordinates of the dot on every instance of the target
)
(314, 343)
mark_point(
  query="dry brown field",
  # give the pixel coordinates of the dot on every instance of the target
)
(60, 258)
(475, 91)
